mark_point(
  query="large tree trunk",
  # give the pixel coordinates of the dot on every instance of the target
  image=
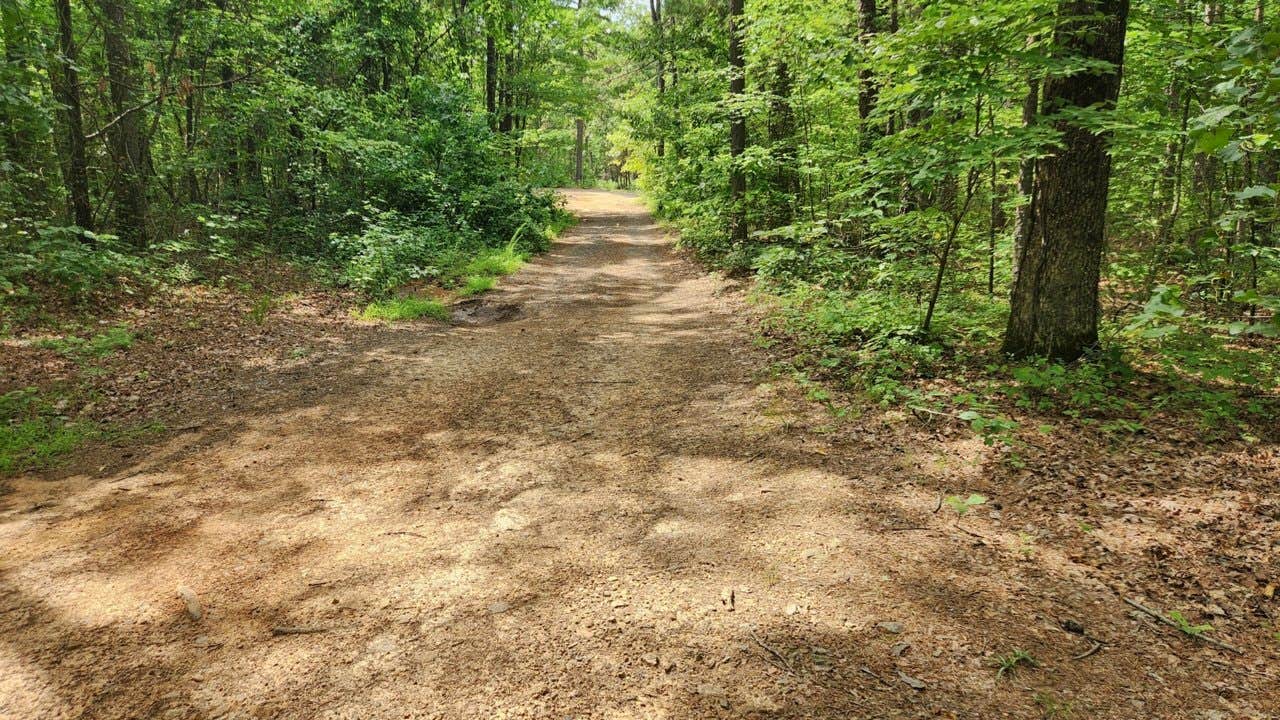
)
(128, 145)
(737, 122)
(66, 87)
(1054, 305)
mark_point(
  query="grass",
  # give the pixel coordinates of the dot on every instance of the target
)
(32, 435)
(481, 273)
(98, 346)
(477, 284)
(1007, 664)
(407, 308)
(38, 443)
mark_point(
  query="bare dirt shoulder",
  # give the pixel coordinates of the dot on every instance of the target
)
(587, 499)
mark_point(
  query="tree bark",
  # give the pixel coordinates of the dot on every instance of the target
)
(737, 123)
(1022, 221)
(782, 145)
(655, 13)
(866, 80)
(128, 145)
(579, 143)
(491, 78)
(1054, 305)
(66, 87)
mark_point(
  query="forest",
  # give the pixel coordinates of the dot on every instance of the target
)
(1022, 254)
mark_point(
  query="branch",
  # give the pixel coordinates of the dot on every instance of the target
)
(168, 91)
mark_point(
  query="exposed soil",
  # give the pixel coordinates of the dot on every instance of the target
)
(587, 498)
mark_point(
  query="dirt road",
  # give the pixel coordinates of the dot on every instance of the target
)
(586, 501)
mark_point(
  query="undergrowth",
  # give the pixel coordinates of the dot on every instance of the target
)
(858, 328)
(405, 309)
(33, 436)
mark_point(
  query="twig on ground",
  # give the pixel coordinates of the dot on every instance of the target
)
(409, 533)
(1096, 647)
(781, 658)
(1160, 616)
(286, 630)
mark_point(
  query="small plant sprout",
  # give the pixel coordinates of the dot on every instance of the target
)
(1185, 625)
(1051, 706)
(963, 505)
(1009, 663)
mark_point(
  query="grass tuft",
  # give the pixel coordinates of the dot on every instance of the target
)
(495, 263)
(477, 284)
(405, 309)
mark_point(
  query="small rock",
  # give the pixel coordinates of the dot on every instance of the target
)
(899, 648)
(192, 602)
(499, 607)
(891, 627)
(650, 659)
(792, 609)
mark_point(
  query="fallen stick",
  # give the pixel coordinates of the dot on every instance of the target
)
(1096, 647)
(285, 630)
(781, 658)
(1160, 616)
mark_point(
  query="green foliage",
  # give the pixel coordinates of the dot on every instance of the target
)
(962, 505)
(477, 284)
(261, 308)
(32, 435)
(407, 308)
(81, 349)
(1186, 626)
(1007, 664)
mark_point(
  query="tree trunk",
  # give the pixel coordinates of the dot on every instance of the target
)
(655, 13)
(866, 80)
(1026, 213)
(737, 123)
(66, 87)
(17, 138)
(128, 145)
(580, 141)
(782, 145)
(1054, 305)
(491, 78)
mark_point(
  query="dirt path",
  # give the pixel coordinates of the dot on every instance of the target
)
(586, 504)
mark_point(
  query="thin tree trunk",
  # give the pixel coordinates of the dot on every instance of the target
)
(1054, 305)
(66, 87)
(655, 13)
(782, 145)
(128, 145)
(1025, 217)
(491, 78)
(867, 91)
(737, 123)
(580, 141)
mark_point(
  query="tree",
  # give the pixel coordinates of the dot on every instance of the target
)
(737, 122)
(129, 149)
(1054, 305)
(66, 86)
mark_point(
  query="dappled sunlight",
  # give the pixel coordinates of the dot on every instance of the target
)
(518, 517)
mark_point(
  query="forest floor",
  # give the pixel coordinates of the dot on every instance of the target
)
(589, 497)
